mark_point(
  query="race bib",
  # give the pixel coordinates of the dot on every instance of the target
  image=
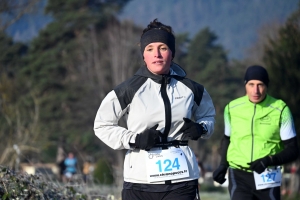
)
(268, 179)
(167, 164)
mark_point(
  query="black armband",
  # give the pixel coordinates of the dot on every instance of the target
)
(223, 150)
(288, 154)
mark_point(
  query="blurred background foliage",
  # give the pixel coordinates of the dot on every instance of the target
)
(103, 173)
(52, 86)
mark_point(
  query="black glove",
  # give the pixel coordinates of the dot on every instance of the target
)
(219, 174)
(191, 129)
(260, 165)
(147, 139)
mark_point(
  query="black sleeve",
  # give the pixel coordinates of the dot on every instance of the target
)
(288, 154)
(223, 150)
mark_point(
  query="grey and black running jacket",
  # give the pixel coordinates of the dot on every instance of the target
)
(141, 102)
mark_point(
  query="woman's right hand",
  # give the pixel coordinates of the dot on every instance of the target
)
(147, 139)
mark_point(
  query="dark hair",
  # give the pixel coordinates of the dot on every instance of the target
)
(158, 25)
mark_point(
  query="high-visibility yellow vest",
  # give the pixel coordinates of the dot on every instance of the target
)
(255, 130)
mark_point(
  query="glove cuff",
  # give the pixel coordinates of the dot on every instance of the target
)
(204, 128)
(137, 142)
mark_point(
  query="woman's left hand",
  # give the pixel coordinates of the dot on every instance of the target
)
(191, 129)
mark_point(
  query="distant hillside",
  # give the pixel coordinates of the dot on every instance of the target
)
(235, 22)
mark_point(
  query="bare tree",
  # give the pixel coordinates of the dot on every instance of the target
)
(20, 132)
(107, 57)
(256, 51)
(122, 50)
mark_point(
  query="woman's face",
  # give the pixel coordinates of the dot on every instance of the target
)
(158, 58)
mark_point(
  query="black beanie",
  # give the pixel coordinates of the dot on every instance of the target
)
(257, 72)
(158, 35)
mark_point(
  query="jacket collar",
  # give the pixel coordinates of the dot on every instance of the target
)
(264, 102)
(176, 72)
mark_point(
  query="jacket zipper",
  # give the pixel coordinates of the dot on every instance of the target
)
(167, 108)
(252, 122)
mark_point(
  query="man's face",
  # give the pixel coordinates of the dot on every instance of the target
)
(158, 58)
(256, 90)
